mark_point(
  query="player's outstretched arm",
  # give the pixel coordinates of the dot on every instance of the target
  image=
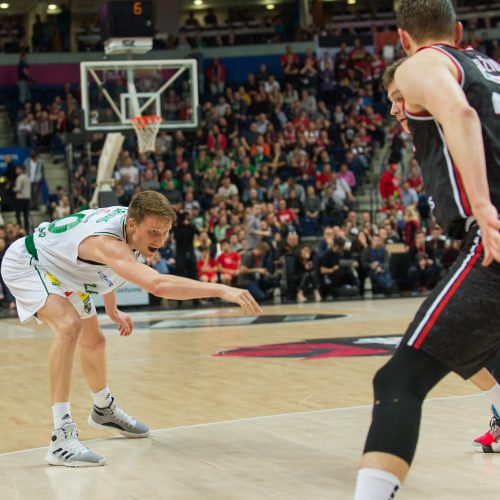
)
(428, 80)
(117, 255)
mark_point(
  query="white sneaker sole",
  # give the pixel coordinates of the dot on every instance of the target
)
(52, 460)
(132, 435)
(478, 448)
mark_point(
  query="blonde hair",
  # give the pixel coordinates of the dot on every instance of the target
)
(149, 203)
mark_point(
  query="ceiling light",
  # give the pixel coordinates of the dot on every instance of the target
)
(4, 5)
(351, 2)
(52, 6)
(198, 2)
(270, 6)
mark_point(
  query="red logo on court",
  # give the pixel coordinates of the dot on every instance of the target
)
(320, 348)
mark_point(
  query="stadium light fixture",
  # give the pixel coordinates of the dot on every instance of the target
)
(52, 6)
(351, 2)
(198, 2)
(4, 5)
(270, 6)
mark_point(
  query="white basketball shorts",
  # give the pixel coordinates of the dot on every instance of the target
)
(31, 284)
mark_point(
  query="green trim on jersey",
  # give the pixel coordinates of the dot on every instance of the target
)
(124, 225)
(41, 279)
(30, 246)
(105, 232)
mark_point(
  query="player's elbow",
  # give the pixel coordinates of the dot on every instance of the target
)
(465, 113)
(156, 287)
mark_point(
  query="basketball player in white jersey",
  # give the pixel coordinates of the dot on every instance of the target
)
(53, 274)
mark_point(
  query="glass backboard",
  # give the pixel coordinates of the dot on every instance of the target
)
(114, 91)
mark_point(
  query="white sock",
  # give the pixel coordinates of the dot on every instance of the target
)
(61, 413)
(102, 399)
(376, 484)
(494, 394)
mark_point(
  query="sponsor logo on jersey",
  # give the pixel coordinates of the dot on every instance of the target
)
(53, 280)
(87, 303)
(105, 278)
(116, 211)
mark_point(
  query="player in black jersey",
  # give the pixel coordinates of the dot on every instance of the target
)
(484, 380)
(451, 104)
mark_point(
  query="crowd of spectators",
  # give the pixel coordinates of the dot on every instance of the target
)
(50, 33)
(277, 159)
(277, 162)
(231, 27)
(8, 234)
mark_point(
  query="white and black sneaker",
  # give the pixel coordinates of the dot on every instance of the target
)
(66, 449)
(114, 418)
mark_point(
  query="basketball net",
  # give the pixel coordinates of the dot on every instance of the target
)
(146, 127)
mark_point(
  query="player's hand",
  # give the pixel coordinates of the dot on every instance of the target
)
(487, 218)
(124, 322)
(243, 298)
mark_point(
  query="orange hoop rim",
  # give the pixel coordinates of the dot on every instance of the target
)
(145, 120)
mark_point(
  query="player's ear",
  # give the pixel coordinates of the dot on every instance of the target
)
(405, 40)
(131, 223)
(459, 30)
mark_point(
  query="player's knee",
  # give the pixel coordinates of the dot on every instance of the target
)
(392, 384)
(385, 382)
(69, 330)
(94, 342)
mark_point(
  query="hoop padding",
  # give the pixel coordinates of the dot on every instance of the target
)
(146, 127)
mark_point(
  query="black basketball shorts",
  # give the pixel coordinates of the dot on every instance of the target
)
(459, 322)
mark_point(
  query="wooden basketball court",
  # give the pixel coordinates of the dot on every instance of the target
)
(241, 409)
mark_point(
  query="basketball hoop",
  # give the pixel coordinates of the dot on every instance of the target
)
(146, 127)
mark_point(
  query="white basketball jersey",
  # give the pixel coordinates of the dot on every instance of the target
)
(56, 248)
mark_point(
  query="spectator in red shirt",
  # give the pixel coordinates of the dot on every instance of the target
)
(290, 64)
(324, 177)
(288, 56)
(415, 179)
(359, 59)
(342, 63)
(376, 67)
(389, 183)
(216, 140)
(301, 122)
(285, 215)
(228, 263)
(207, 266)
(412, 225)
(216, 76)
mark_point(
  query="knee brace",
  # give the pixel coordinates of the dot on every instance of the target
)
(400, 388)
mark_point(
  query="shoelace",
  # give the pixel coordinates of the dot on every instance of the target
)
(122, 417)
(73, 443)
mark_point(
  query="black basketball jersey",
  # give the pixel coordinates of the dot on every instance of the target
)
(479, 77)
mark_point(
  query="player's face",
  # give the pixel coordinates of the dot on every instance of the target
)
(151, 234)
(397, 106)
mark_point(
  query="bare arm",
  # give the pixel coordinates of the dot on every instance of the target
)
(124, 321)
(109, 300)
(117, 255)
(442, 96)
